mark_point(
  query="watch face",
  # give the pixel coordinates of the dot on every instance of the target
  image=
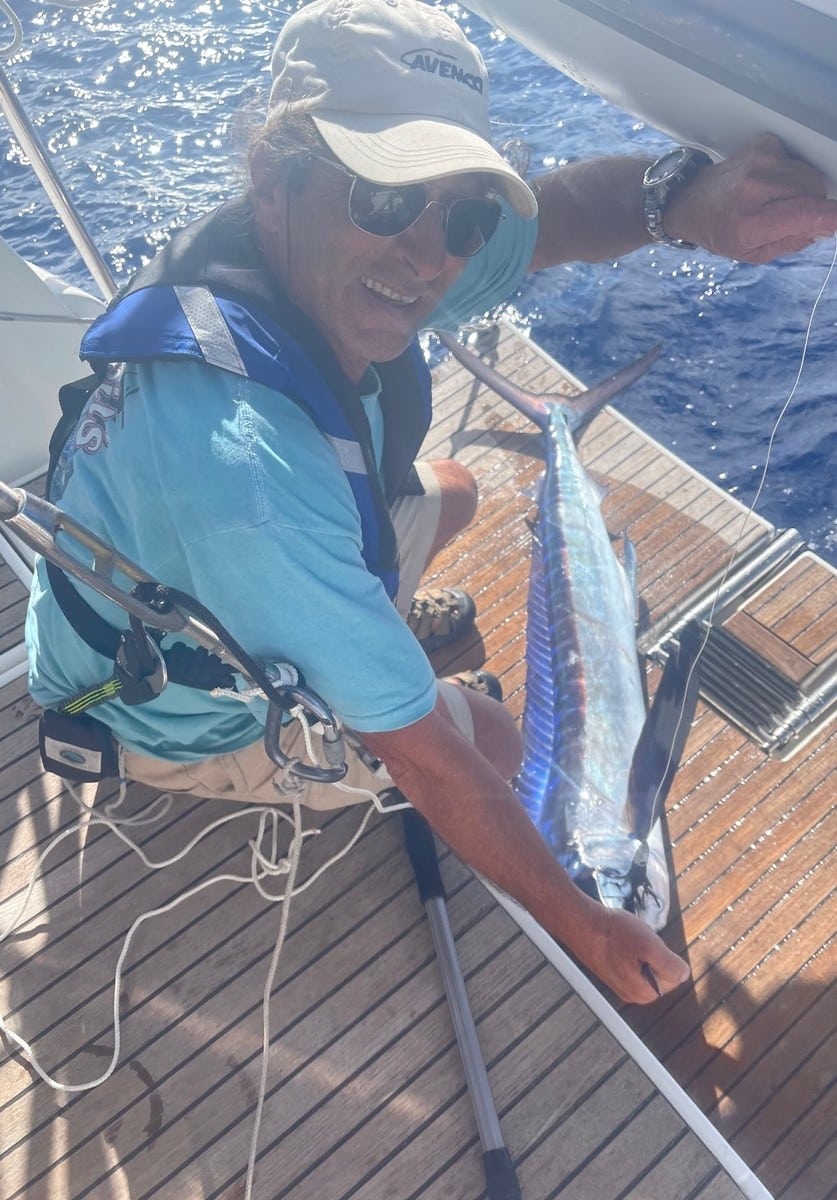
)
(668, 166)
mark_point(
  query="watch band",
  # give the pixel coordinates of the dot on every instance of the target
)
(661, 181)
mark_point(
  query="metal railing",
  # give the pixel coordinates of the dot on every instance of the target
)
(24, 131)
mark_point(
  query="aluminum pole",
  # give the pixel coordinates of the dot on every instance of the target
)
(500, 1175)
(24, 131)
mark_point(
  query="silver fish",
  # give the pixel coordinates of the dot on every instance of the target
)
(594, 805)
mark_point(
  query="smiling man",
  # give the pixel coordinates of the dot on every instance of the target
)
(261, 400)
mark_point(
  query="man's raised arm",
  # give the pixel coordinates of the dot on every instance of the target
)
(756, 205)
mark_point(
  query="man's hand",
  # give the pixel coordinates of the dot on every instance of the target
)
(756, 205)
(620, 946)
(462, 794)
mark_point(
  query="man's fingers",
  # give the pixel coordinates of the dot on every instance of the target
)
(780, 227)
(766, 254)
(664, 972)
(640, 963)
(650, 983)
(673, 974)
(768, 158)
(813, 216)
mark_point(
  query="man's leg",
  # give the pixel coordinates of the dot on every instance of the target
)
(423, 526)
(425, 521)
(488, 725)
(458, 495)
(249, 776)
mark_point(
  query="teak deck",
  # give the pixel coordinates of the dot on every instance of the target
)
(365, 1093)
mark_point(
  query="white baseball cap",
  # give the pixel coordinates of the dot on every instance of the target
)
(396, 90)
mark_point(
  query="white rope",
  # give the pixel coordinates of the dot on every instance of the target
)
(265, 864)
(273, 967)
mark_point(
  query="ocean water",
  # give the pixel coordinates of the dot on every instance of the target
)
(140, 104)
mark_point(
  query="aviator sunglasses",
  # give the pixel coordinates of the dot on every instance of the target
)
(469, 222)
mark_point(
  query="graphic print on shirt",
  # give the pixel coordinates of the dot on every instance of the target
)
(90, 433)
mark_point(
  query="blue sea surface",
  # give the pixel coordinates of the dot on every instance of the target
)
(141, 104)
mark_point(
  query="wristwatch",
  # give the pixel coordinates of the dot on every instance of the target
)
(662, 179)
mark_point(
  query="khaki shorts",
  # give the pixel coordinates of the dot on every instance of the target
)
(249, 775)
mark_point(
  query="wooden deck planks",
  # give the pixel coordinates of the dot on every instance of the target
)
(365, 1095)
(754, 906)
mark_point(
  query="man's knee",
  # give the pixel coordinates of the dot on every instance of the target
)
(496, 734)
(493, 730)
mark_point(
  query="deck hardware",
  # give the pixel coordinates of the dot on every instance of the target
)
(725, 591)
(777, 713)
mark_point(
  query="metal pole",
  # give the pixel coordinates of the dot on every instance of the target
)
(500, 1175)
(35, 151)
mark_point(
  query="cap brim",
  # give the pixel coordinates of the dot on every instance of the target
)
(414, 150)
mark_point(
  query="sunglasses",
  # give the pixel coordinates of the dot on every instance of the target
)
(469, 222)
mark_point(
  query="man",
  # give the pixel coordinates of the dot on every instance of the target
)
(262, 402)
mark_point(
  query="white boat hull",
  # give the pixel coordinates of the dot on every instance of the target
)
(41, 325)
(706, 72)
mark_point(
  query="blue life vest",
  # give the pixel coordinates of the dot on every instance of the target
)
(209, 297)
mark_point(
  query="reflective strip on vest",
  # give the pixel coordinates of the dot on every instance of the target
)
(349, 453)
(210, 329)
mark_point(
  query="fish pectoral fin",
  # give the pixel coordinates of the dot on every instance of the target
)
(660, 744)
(641, 890)
(631, 889)
(628, 572)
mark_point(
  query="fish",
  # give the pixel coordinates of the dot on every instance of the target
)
(596, 763)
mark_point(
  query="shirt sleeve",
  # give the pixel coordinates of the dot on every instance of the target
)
(491, 276)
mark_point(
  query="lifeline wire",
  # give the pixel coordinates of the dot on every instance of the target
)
(750, 511)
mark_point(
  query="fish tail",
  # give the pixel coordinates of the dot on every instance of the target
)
(532, 406)
(584, 407)
(578, 411)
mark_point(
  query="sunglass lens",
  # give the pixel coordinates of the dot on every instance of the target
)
(470, 224)
(388, 211)
(385, 211)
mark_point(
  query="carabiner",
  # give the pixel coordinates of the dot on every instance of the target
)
(333, 745)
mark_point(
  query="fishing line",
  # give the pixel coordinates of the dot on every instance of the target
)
(751, 510)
